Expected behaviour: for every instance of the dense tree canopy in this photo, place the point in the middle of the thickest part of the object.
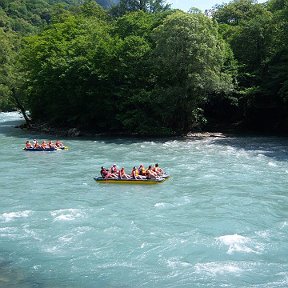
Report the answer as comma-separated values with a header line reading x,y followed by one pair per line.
x,y
151,6
256,33
140,67
189,58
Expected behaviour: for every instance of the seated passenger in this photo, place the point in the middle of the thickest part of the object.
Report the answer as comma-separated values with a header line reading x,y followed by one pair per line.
x,y
44,145
59,144
142,170
36,144
150,173
158,170
51,145
28,145
106,174
135,174
123,175
114,169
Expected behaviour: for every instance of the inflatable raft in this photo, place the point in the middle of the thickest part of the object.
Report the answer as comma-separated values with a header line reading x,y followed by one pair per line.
x,y
129,181
46,149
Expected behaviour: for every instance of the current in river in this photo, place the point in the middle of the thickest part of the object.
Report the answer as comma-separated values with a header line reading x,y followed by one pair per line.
x,y
220,220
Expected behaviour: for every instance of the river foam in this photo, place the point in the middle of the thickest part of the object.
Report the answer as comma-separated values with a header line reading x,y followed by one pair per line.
x,y
67,214
11,216
239,244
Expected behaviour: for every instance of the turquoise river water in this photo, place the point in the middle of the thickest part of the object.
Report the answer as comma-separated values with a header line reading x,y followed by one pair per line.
x,y
221,220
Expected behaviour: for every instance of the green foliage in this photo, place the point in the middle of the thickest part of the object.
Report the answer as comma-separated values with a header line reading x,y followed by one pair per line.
x,y
150,70
150,6
189,58
135,23
238,11
7,56
256,35
276,78
144,73
67,68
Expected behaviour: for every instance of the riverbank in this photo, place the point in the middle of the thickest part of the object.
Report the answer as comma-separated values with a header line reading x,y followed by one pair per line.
x,y
219,131
75,132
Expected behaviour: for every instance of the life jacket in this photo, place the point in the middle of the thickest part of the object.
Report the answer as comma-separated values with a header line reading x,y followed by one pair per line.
x,y
113,169
28,145
142,171
134,173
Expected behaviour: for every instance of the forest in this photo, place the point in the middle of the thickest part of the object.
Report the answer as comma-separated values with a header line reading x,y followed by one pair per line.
x,y
138,67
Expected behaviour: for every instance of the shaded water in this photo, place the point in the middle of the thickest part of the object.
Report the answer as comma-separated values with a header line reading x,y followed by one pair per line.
x,y
221,220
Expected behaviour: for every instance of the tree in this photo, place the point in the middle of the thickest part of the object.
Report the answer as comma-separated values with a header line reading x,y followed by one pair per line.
x,y
135,23
6,56
248,27
189,58
237,11
151,6
10,76
67,68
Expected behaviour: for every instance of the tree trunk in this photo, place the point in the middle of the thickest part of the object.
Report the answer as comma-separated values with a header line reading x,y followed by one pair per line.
x,y
21,107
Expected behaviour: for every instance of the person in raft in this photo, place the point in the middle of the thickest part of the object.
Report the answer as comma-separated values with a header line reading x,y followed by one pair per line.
x,y
158,170
51,145
142,170
150,173
59,144
123,175
36,144
114,170
28,145
43,145
135,174
106,174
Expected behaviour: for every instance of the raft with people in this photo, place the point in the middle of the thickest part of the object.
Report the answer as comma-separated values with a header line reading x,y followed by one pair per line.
x,y
129,181
151,175
44,146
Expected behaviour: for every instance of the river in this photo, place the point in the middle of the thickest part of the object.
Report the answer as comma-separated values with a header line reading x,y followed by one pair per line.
x,y
221,220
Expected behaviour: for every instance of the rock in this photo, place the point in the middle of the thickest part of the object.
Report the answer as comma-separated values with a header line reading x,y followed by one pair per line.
x,y
206,134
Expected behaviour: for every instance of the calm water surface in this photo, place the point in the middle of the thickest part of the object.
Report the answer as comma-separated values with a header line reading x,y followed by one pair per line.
x,y
221,220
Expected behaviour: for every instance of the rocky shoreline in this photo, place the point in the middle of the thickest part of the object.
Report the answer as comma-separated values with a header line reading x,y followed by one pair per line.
x,y
206,134
75,132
